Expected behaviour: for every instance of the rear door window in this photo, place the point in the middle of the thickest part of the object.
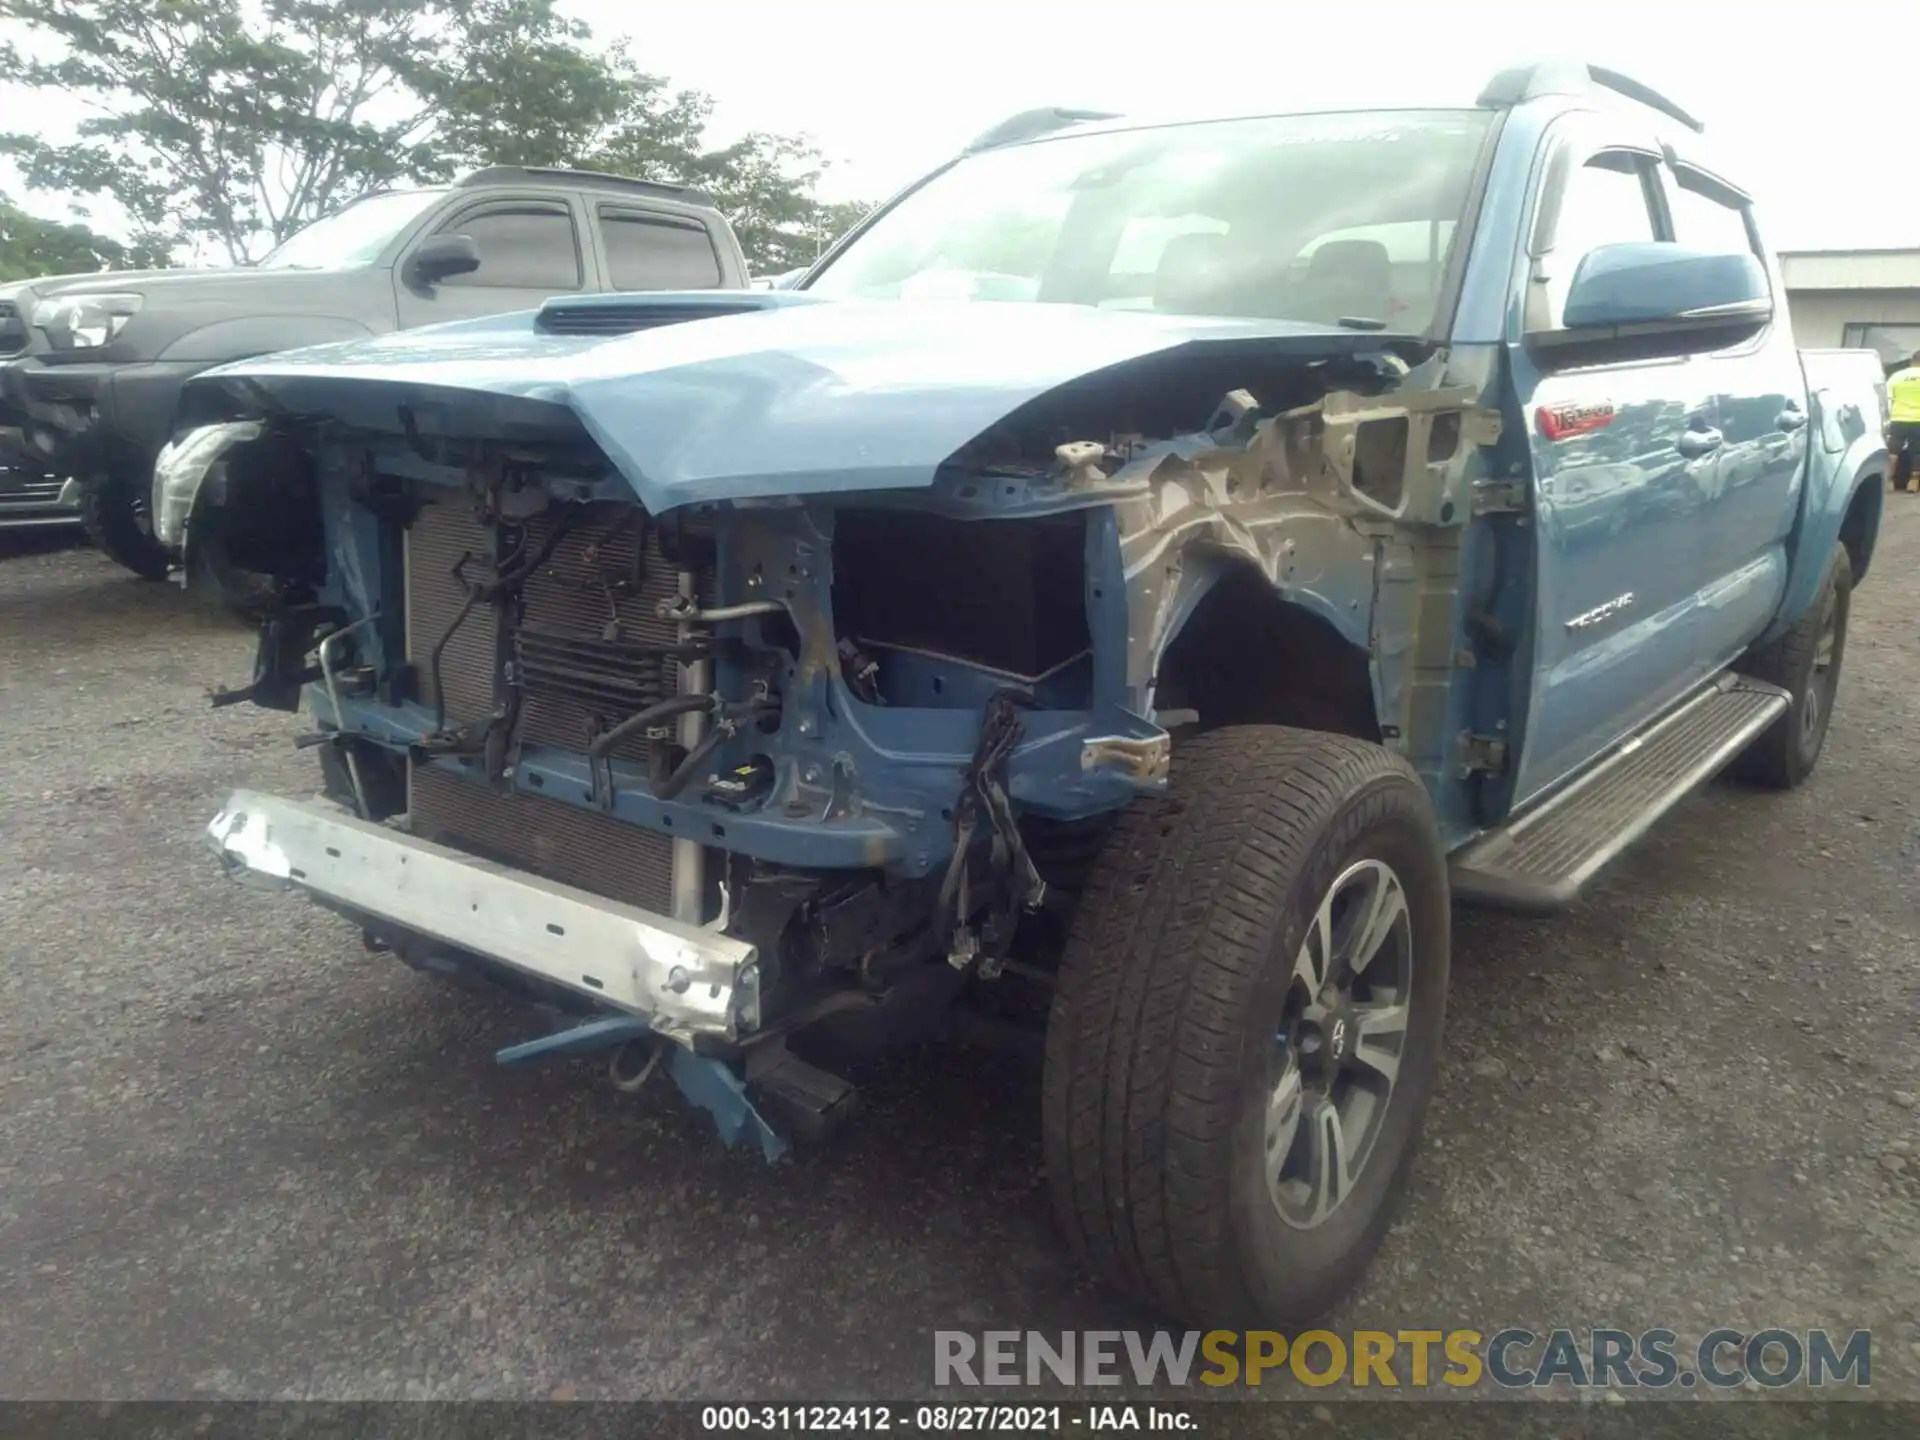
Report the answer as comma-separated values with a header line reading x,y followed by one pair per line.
x,y
523,245
657,252
1706,215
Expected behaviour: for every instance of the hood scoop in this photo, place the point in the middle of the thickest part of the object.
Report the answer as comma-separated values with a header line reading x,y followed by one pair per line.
x,y
629,314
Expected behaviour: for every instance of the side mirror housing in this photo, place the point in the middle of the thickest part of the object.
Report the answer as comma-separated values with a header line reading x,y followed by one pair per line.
x,y
439,256
1655,299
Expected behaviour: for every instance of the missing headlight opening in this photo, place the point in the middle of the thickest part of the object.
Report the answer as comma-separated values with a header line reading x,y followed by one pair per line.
x,y
1002,596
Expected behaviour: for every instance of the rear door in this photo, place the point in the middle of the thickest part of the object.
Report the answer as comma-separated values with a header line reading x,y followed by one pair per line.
x,y
645,249
1624,455
530,250
1760,396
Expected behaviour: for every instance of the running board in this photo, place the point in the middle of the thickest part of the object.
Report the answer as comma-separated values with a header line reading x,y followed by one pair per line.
x,y
1541,860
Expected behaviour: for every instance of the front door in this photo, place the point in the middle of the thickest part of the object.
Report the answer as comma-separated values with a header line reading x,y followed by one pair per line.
x,y
530,251
1624,460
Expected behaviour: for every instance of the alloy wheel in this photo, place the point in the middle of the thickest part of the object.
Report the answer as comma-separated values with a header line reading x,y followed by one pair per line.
x,y
1338,1047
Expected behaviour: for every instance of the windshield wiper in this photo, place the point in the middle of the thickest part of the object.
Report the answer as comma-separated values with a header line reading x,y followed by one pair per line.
x,y
1360,322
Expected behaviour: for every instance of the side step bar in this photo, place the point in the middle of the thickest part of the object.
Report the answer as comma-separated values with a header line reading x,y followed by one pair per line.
x,y
1541,860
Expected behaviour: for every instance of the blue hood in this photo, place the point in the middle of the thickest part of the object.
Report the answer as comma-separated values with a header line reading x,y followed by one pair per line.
x,y
789,396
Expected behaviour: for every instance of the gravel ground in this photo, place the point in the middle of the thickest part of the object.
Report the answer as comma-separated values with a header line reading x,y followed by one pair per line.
x,y
240,1157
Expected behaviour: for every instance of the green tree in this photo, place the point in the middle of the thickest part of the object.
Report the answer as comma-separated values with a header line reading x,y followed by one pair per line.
x,y
835,219
238,122
763,182
30,246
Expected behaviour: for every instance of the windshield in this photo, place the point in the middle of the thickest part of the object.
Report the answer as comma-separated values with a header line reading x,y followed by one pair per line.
x,y
353,236
1320,218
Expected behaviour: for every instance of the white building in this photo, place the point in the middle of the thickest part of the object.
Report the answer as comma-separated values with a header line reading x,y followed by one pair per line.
x,y
1864,298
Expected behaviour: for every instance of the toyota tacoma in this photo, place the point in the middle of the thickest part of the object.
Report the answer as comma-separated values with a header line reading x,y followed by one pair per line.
x,y
1130,587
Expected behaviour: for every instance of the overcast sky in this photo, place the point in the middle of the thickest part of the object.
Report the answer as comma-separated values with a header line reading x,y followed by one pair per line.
x,y
1806,104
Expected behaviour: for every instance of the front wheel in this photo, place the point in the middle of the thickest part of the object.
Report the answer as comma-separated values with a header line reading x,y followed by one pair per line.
x,y
116,509
1246,1027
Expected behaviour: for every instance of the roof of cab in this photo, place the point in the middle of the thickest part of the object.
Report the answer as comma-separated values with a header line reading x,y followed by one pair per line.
x,y
1506,89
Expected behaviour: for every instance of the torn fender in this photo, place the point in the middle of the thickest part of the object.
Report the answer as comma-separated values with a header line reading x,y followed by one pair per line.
x,y
797,397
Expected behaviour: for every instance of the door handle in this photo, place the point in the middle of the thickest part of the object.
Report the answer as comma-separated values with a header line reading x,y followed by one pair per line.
x,y
1694,443
1791,418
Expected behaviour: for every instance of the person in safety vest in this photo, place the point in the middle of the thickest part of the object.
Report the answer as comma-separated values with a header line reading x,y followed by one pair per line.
x,y
1903,420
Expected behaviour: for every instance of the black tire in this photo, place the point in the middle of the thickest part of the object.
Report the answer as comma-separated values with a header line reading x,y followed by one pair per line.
x,y
115,509
1178,976
1808,669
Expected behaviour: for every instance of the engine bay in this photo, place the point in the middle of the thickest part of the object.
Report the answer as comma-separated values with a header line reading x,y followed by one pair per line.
x,y
876,734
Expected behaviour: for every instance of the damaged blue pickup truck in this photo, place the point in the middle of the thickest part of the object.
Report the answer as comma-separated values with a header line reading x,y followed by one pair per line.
x,y
1331,516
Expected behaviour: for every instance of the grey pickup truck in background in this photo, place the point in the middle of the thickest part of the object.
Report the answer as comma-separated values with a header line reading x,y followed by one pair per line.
x,y
91,365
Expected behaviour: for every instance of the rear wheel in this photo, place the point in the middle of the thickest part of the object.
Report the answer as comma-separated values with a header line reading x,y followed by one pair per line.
x,y
117,511
1247,1025
1805,662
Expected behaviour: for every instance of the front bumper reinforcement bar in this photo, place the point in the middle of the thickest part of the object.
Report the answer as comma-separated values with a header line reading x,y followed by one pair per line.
x,y
684,980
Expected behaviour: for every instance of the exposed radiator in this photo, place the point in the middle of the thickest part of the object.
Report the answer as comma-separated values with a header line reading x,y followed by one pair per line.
x,y
436,541
584,611
575,847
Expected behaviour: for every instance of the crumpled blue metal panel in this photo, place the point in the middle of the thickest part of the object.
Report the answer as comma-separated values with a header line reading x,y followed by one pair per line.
x,y
712,1085
704,1080
794,397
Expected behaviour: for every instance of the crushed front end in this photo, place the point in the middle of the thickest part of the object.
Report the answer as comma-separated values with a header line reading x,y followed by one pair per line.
x,y
749,779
